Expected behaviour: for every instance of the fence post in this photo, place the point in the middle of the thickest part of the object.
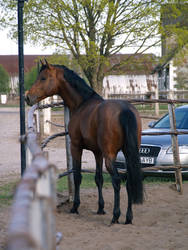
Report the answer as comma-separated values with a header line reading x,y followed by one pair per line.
x,y
68,153
47,117
171,94
175,149
157,97
36,121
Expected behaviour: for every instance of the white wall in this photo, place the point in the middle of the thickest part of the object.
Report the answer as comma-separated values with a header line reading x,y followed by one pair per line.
x,y
172,75
14,81
129,84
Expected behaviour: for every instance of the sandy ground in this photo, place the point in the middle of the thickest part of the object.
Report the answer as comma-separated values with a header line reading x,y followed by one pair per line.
x,y
160,223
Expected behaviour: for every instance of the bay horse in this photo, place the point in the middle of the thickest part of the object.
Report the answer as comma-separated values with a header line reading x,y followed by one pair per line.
x,y
101,126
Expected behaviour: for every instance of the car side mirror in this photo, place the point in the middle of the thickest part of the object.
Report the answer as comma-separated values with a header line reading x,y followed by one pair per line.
x,y
151,124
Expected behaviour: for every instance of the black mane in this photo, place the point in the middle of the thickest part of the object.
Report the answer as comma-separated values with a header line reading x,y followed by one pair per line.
x,y
76,82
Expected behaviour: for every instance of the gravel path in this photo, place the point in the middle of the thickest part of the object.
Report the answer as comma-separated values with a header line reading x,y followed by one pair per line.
x,y
10,147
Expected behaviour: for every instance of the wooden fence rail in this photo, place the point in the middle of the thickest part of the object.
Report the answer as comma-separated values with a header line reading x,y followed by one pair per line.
x,y
32,226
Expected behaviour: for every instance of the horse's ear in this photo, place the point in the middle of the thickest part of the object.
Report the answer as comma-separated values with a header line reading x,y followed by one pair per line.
x,y
42,62
47,64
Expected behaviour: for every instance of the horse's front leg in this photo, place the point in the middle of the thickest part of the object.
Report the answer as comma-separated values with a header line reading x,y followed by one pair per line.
x,y
116,182
76,155
99,182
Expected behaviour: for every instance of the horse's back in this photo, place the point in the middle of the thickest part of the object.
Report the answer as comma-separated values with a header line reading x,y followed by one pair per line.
x,y
111,115
111,110
97,125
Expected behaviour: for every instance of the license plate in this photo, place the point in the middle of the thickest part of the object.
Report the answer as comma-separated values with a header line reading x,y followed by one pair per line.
x,y
147,160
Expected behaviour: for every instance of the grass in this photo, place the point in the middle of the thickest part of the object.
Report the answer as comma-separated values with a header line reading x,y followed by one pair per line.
x,y
7,193
88,181
151,106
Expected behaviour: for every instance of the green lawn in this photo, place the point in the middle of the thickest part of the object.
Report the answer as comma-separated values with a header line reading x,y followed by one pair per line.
x,y
88,181
7,193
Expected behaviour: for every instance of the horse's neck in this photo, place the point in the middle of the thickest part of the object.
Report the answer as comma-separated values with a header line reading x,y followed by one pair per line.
x,y
70,96
73,98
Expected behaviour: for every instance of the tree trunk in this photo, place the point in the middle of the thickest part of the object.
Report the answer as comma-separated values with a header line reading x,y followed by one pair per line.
x,y
96,81
98,87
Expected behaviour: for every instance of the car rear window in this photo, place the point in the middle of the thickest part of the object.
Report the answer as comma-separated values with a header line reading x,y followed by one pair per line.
x,y
181,120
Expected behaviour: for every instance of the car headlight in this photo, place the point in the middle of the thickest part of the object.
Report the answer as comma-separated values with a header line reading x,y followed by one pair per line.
x,y
182,149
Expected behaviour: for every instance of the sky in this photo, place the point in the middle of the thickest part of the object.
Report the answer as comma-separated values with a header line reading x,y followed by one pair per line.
x,y
9,47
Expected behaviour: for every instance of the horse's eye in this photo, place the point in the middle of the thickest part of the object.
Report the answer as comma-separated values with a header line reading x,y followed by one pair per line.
x,y
43,78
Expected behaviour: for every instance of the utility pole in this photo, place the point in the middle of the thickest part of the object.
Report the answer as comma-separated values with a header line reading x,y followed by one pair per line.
x,y
21,83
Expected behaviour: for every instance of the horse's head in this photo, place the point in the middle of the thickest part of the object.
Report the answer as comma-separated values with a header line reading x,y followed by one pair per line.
x,y
44,86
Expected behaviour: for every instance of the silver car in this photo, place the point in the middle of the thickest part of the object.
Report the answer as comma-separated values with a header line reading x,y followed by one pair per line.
x,y
156,150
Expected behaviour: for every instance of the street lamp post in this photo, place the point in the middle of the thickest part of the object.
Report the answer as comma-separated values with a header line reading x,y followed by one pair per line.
x,y
21,83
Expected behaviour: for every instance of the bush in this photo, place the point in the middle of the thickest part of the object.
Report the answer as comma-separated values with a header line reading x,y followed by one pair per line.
x,y
30,78
4,81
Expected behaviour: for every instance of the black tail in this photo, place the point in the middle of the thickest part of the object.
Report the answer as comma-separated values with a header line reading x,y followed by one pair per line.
x,y
131,152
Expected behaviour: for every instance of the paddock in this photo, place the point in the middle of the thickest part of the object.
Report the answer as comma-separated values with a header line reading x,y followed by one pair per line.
x,y
160,223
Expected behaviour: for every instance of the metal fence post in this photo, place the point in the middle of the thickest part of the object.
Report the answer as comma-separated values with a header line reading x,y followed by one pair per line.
x,y
21,83
68,153
175,149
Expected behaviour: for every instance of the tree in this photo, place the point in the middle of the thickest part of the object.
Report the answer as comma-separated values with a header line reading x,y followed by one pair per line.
x,y
92,30
174,28
30,77
181,62
4,80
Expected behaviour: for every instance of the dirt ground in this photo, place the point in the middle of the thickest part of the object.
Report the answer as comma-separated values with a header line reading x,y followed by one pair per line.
x,y
160,223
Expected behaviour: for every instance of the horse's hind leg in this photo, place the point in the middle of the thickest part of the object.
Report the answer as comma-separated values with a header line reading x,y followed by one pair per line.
x,y
77,177
129,214
99,182
116,182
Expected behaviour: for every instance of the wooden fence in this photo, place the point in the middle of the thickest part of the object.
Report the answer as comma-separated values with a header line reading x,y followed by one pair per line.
x,y
32,226
174,133
150,96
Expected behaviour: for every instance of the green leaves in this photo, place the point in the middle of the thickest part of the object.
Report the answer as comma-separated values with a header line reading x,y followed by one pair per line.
x,y
30,78
174,25
4,81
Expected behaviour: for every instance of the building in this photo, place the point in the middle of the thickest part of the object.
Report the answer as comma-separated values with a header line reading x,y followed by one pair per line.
x,y
134,75
127,73
10,64
168,71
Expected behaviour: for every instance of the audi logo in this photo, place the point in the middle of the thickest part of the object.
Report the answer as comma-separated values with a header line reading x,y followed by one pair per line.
x,y
144,150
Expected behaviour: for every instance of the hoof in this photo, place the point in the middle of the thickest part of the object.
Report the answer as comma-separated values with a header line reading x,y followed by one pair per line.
x,y
74,211
128,222
101,211
114,221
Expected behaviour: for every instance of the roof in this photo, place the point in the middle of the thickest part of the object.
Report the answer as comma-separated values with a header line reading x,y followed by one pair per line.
x,y
10,62
132,64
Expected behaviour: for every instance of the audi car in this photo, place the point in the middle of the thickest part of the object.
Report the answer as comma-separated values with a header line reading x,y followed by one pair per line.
x,y
156,150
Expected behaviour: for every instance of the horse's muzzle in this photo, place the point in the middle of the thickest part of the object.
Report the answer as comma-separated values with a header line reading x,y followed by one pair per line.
x,y
29,100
